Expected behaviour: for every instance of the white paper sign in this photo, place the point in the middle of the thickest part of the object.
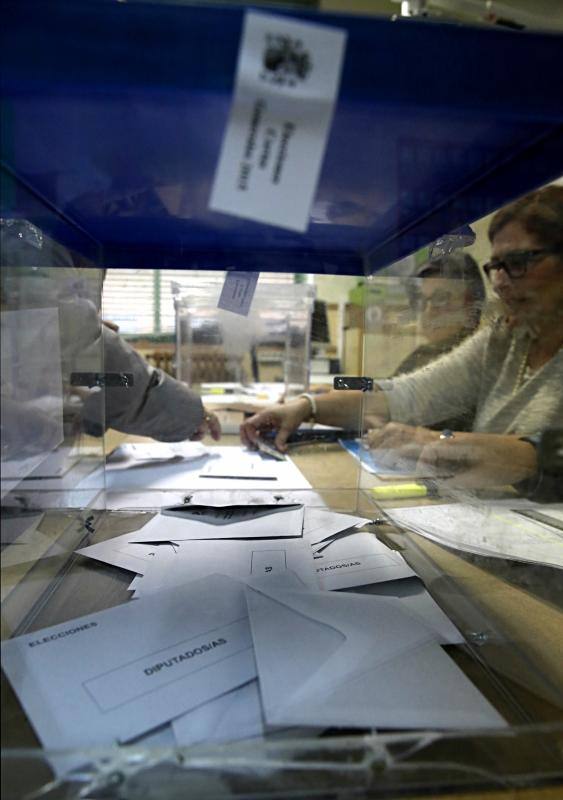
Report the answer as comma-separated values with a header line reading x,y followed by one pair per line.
x,y
287,80
238,291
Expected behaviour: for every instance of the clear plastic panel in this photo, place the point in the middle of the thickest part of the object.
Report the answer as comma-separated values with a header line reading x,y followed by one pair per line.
x,y
457,441
271,345
494,602
52,367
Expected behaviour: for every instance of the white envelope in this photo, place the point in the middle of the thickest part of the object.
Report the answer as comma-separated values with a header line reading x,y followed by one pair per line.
x,y
123,552
415,598
357,560
321,522
287,522
346,660
245,561
121,672
233,716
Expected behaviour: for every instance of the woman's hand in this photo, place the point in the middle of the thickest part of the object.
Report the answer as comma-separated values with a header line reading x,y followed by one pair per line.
x,y
209,425
399,446
284,419
479,460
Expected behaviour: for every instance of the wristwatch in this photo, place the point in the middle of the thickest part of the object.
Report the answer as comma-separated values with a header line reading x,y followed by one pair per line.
x,y
447,434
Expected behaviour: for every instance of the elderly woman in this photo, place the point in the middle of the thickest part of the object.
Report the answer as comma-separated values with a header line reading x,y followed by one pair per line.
x,y
508,375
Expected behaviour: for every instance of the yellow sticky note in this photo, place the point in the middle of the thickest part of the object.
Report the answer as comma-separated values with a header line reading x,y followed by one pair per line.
x,y
399,490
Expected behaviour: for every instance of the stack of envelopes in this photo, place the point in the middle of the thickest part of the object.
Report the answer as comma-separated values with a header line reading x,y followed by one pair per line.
x,y
234,635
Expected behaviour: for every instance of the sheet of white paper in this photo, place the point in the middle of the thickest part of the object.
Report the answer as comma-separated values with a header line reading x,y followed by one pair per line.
x,y
356,661
122,672
163,528
124,552
357,560
287,80
238,291
485,530
248,470
144,454
239,559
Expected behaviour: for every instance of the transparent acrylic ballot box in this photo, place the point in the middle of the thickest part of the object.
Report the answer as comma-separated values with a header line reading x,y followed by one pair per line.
x,y
272,344
504,608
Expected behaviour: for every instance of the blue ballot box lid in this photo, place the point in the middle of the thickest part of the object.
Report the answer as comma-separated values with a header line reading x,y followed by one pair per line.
x,y
114,114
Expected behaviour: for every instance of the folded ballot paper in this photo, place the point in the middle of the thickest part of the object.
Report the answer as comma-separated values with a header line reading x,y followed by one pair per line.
x,y
244,560
345,556
181,665
330,554
189,522
354,661
115,674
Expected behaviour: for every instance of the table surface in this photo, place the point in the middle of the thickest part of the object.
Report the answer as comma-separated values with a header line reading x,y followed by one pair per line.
x,y
525,643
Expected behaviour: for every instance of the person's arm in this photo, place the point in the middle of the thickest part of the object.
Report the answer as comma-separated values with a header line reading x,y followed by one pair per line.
x,y
154,405
480,460
443,389
343,409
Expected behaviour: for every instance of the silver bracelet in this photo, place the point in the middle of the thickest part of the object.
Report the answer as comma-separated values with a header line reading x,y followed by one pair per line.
x,y
313,403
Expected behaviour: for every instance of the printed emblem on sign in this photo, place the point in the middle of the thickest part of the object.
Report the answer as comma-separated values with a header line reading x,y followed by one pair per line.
x,y
285,61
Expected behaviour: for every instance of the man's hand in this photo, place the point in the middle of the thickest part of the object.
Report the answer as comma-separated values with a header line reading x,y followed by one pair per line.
x,y
209,425
283,419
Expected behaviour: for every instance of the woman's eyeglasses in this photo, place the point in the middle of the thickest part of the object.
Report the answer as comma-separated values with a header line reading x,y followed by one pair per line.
x,y
515,264
441,298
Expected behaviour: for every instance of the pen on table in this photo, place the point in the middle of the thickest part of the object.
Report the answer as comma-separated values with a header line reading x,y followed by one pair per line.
x,y
241,477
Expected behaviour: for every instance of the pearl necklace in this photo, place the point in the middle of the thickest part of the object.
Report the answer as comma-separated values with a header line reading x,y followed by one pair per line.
x,y
524,374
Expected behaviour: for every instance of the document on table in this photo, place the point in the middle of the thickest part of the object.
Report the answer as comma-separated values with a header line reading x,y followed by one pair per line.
x,y
118,673
487,530
191,522
356,661
224,468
